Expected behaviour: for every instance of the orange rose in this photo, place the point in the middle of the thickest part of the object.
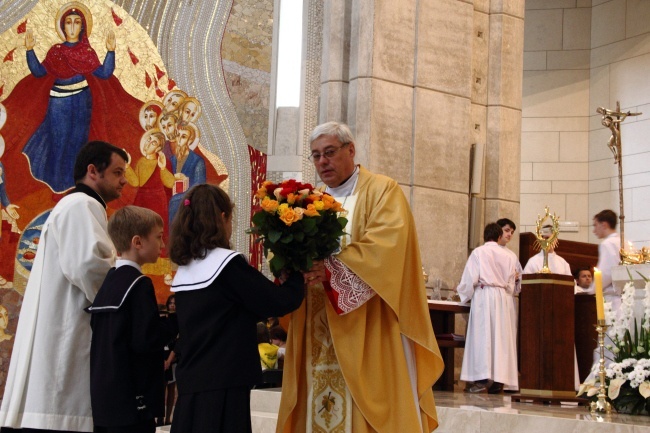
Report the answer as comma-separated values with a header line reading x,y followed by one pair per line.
x,y
311,211
319,205
261,193
336,207
269,205
328,201
289,216
291,198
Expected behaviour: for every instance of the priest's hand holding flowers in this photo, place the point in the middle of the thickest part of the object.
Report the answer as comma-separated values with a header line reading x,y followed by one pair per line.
x,y
297,225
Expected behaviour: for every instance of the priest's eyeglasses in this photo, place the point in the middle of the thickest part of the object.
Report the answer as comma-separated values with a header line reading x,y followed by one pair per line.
x,y
329,153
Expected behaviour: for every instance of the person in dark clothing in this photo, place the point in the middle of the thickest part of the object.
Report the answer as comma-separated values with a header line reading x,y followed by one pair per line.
x,y
170,360
126,352
219,300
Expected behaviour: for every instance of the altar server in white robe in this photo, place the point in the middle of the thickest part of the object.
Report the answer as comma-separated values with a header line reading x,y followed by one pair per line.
x,y
490,281
48,383
608,254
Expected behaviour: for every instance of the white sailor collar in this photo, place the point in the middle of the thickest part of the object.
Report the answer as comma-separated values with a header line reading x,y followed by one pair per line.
x,y
200,273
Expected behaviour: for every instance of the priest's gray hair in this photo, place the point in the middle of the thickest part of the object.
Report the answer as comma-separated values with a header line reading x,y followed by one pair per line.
x,y
339,130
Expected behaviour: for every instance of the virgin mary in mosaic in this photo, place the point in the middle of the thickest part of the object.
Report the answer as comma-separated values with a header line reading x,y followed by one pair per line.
x,y
80,71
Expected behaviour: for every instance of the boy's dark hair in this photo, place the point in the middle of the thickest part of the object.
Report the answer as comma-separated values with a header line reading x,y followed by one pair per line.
x,y
262,333
505,221
278,333
200,224
131,221
492,232
608,216
97,153
576,273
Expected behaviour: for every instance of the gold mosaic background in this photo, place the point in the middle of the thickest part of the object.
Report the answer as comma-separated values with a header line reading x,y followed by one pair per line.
x,y
246,55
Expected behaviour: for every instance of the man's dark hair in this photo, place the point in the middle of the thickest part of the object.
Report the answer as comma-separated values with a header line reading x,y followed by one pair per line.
x,y
492,232
506,222
278,333
97,153
576,273
608,216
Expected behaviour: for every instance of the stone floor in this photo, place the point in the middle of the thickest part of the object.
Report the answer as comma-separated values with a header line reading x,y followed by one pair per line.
x,y
468,413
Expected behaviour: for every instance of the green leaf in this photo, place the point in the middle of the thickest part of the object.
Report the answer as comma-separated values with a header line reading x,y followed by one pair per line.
x,y
274,236
640,274
286,239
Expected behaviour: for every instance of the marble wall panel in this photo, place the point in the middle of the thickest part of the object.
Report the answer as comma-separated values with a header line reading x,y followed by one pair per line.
x,y
570,186
362,38
336,41
637,16
550,4
635,140
556,93
617,51
533,205
603,168
574,146
480,52
577,209
526,171
506,61
560,170
359,116
287,125
534,60
334,100
628,81
598,139
503,152
391,130
513,8
569,123
640,204
640,232
442,144
394,44
438,214
536,187
607,23
444,47
599,185
573,59
540,146
636,180
576,29
543,30
482,5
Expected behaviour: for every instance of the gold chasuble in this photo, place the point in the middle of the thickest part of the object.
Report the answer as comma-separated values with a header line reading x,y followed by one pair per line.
x,y
349,372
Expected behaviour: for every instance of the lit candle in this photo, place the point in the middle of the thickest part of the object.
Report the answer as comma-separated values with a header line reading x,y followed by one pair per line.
x,y
600,301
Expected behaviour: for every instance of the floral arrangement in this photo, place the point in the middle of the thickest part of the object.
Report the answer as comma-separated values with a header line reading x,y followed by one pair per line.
x,y
628,376
297,224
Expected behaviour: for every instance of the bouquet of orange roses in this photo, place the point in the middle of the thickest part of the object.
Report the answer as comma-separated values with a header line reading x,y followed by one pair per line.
x,y
297,224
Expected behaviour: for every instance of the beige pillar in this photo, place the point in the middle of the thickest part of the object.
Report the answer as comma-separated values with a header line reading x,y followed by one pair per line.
x,y
419,82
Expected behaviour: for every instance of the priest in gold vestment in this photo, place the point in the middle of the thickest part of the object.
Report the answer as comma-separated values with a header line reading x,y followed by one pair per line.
x,y
361,354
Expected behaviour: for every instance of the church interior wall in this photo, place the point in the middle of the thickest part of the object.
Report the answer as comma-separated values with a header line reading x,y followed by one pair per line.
x,y
580,55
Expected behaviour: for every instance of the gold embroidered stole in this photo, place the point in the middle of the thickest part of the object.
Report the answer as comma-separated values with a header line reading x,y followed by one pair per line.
x,y
329,400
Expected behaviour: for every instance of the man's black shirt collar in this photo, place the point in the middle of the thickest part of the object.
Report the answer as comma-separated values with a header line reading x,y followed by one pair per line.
x,y
82,187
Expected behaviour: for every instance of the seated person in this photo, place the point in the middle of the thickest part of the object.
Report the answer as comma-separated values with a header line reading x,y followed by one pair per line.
x,y
268,351
583,280
556,264
279,338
